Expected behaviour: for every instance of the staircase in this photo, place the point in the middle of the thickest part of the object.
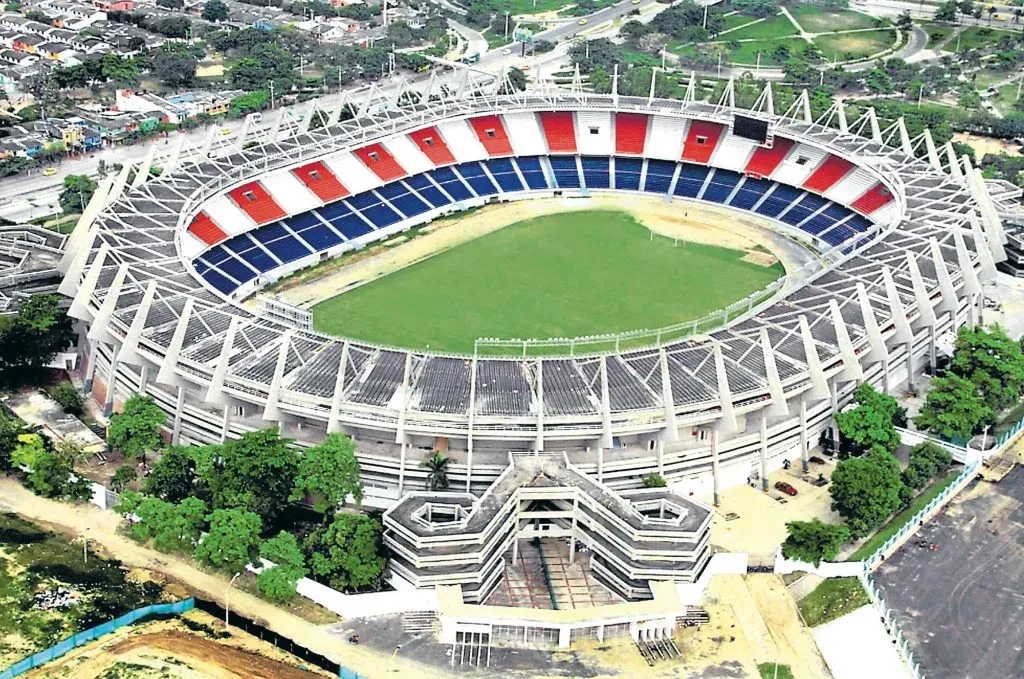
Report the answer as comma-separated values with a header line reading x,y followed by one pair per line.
x,y
420,622
658,650
693,616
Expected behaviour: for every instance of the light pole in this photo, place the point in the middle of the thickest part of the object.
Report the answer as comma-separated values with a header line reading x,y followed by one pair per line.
x,y
506,25
227,592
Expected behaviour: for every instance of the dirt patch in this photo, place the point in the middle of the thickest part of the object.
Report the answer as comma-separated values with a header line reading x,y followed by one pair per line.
x,y
765,259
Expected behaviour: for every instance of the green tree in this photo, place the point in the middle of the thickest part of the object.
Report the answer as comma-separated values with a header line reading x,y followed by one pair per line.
x,y
993,362
255,473
329,472
348,551
174,65
814,541
28,450
927,459
872,422
655,481
215,10
953,409
10,429
232,541
123,478
278,582
866,490
759,9
69,397
171,526
173,476
33,337
437,471
946,12
905,22
878,81
52,476
516,81
136,429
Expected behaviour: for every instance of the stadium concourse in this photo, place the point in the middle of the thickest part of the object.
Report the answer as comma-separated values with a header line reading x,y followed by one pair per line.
x,y
905,234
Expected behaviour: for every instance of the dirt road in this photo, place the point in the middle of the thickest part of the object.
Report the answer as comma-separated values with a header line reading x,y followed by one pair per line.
x,y
100,527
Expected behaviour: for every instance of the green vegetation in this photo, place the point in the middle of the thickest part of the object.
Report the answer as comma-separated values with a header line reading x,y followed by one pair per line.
x,y
832,599
770,670
866,490
936,32
69,397
953,409
816,19
329,472
437,471
853,46
814,541
871,423
347,552
978,37
778,26
136,429
77,192
33,337
567,275
33,561
897,522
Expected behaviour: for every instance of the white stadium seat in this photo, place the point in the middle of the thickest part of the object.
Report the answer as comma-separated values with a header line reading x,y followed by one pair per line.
x,y
665,140
408,155
228,216
798,165
525,134
732,153
594,133
352,173
462,141
290,193
191,247
852,186
884,214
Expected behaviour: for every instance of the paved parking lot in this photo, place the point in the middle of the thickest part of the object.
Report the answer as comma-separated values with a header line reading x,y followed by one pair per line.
x,y
962,605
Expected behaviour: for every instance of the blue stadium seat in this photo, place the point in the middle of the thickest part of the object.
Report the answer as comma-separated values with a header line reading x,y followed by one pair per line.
x,y
351,226
691,179
255,256
749,193
474,175
532,172
721,185
859,223
779,199
287,248
219,281
659,176
447,180
595,172
627,173
333,210
423,186
504,173
838,235
807,206
407,203
566,172
369,204
319,237
237,269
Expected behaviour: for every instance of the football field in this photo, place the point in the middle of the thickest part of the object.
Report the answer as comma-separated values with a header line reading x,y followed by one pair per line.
x,y
564,275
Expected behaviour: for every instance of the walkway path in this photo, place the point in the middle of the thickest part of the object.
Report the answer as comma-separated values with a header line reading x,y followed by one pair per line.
x,y
100,527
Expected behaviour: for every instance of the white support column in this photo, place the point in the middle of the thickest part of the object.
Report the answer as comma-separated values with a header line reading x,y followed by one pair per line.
x,y
905,145
844,126
661,459
983,249
472,411
539,443
953,164
600,464
81,235
763,449
166,374
931,150
727,421
271,412
819,387
834,410
142,173
876,131
77,260
778,407
713,438
851,366
400,436
90,369
215,392
902,324
171,163
108,402
875,339
179,408
606,407
129,350
225,425
98,331
926,314
949,302
401,469
83,293
333,423
972,286
207,147
804,442
671,432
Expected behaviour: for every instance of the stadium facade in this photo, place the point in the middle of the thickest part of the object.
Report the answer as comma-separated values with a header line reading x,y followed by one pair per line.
x,y
906,232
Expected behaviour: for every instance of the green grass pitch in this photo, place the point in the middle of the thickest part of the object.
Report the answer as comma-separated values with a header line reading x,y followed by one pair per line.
x,y
566,275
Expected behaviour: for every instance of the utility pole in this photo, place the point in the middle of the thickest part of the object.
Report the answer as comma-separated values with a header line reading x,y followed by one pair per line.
x,y
271,95
506,24
704,24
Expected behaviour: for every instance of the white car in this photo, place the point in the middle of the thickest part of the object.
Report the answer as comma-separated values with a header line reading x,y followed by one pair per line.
x,y
507,51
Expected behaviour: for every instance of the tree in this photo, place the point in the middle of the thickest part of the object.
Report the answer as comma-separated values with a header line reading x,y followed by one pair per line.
x,y
347,552
866,490
655,481
69,398
232,541
255,473
946,12
814,541
52,475
904,22
278,582
174,65
872,422
173,476
10,429
171,526
31,339
28,450
993,362
215,10
123,478
878,81
330,473
516,81
926,460
136,429
437,471
759,9
953,409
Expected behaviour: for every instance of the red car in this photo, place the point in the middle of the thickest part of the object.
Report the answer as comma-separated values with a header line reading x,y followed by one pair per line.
x,y
784,487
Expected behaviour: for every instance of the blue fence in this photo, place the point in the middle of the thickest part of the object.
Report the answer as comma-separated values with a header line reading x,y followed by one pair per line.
x,y
73,642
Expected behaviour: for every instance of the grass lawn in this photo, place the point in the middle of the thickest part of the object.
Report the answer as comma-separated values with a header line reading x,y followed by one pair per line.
x,y
747,52
736,19
778,26
814,19
832,599
976,37
987,77
578,273
770,670
897,522
850,46
937,32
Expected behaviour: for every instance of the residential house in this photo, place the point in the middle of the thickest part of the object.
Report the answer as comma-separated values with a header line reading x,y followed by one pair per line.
x,y
59,51
28,43
16,58
115,5
13,21
36,28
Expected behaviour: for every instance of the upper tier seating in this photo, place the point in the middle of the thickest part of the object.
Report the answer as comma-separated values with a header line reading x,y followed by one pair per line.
x,y
764,160
831,170
491,133
780,198
559,130
255,256
256,202
203,228
701,139
595,172
344,220
432,145
282,244
874,198
630,133
380,161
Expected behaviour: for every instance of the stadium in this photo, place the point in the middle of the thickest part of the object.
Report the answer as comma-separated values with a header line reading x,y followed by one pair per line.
x,y
899,237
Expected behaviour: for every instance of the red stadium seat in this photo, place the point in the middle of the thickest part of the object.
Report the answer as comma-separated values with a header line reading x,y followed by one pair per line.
x,y
203,228
380,160
874,198
701,139
630,133
432,144
257,203
319,179
831,170
560,130
492,134
764,160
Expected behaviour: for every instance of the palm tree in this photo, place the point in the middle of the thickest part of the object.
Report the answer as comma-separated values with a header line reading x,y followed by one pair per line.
x,y
437,474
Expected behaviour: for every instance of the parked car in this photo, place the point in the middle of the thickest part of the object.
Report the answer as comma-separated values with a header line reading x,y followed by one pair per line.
x,y
817,460
49,172
784,487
